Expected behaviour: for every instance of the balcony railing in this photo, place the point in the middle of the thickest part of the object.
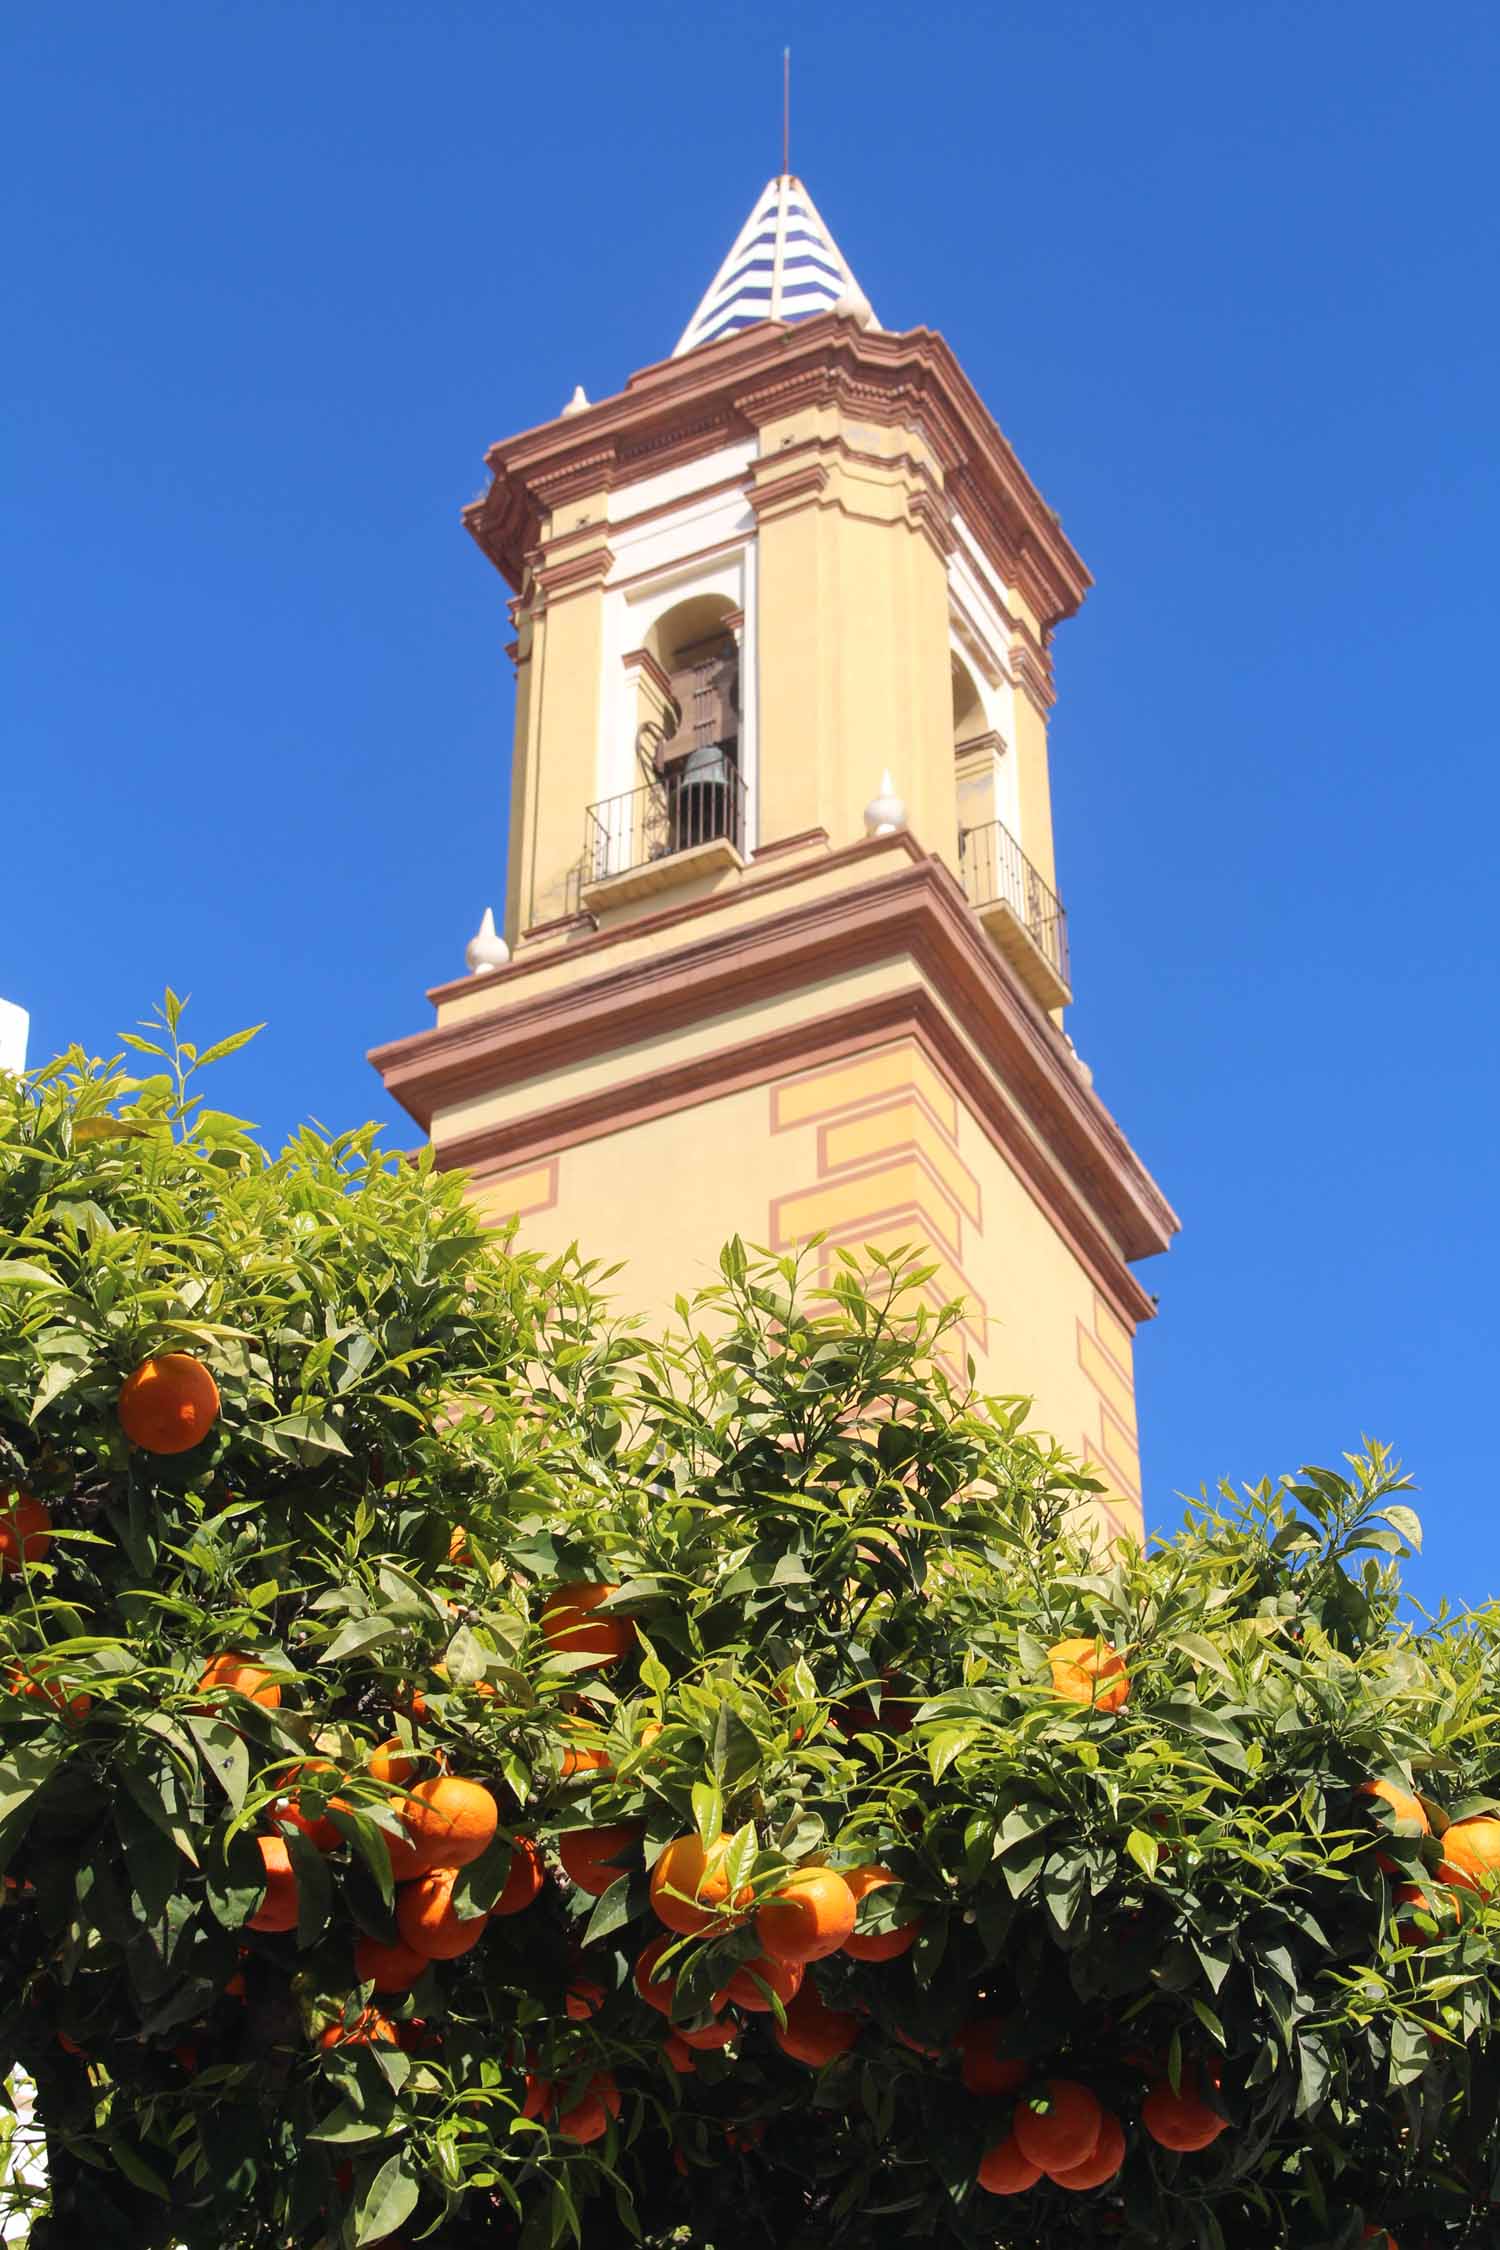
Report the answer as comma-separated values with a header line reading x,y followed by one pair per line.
x,y
699,802
1021,912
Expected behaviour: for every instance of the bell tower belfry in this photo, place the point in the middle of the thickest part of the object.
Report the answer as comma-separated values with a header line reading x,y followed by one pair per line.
x,y
783,950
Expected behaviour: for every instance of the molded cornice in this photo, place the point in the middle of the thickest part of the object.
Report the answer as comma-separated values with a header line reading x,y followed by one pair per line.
x,y
683,408
1011,1064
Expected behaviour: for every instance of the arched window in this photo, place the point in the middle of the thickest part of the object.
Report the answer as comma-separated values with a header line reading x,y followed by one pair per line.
x,y
695,756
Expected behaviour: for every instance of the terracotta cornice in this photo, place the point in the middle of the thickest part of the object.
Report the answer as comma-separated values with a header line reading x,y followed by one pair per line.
x,y
678,917
816,1041
806,840
641,660
773,494
684,407
917,911
1033,671
575,574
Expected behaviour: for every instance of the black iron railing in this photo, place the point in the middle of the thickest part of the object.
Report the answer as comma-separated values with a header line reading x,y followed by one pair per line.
x,y
698,801
997,872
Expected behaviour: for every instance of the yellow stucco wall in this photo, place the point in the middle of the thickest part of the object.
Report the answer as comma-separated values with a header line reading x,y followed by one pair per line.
x,y
853,675
876,1149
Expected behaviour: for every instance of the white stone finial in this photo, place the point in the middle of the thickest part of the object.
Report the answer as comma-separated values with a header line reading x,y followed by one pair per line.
x,y
886,813
578,403
855,305
1079,1064
486,949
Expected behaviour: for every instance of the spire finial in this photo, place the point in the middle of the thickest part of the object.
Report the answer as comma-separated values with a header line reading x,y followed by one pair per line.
x,y
786,112
486,949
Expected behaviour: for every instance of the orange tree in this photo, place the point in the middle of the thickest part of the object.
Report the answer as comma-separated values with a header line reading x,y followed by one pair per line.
x,y
470,1775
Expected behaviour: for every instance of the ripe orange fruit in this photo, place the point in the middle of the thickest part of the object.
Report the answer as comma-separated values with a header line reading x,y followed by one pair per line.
x,y
1101,2167
809,1915
1407,1811
448,1822
24,1683
1402,1803
685,1873
523,1878
588,2119
25,1531
369,2029
568,1627
813,2032
583,1999
655,1990
985,2069
458,1545
591,1856
393,1762
877,1945
1003,2170
679,2054
1471,1852
236,1673
1058,2126
288,1812
708,2036
278,1909
169,1404
783,1977
428,1921
390,1968
1089,1672
1182,2121
584,1762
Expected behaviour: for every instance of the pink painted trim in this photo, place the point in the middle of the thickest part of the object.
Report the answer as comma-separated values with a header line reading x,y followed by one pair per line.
x,y
876,1217
829,1170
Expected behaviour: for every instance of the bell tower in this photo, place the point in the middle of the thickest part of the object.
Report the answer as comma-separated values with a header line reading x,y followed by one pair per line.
x,y
783,950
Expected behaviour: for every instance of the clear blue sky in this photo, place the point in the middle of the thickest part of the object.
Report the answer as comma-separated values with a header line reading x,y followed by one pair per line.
x,y
1226,274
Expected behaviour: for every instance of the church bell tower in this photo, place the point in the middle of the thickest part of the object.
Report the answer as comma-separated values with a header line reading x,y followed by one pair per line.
x,y
784,953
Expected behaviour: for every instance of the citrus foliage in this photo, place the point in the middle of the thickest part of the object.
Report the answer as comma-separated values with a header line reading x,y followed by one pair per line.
x,y
702,1621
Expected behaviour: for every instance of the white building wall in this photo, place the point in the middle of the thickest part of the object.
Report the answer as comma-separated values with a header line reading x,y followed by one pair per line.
x,y
15,1024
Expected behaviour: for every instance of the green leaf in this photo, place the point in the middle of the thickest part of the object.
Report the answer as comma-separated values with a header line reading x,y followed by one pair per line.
x,y
137,2170
465,1658
15,1273
234,1876
154,1790
314,1887
230,1046
224,1755
481,1882
358,1637
345,2124
1210,2021
1144,1850
1201,1649
736,1753
708,1812
385,2201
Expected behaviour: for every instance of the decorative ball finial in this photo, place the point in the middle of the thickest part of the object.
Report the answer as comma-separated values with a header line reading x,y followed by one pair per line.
x,y
855,305
886,813
578,403
486,949
1078,1063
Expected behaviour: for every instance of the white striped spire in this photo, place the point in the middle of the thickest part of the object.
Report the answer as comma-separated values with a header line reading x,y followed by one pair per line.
x,y
785,265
